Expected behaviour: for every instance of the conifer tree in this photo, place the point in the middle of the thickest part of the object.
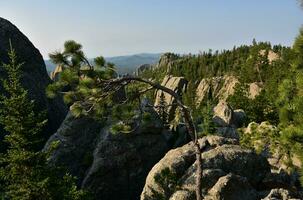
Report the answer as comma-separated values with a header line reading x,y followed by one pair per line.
x,y
290,102
24,173
162,110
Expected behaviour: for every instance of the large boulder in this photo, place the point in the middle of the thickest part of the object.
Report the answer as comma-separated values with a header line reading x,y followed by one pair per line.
x,y
111,166
232,187
34,77
75,142
178,85
229,172
227,120
223,114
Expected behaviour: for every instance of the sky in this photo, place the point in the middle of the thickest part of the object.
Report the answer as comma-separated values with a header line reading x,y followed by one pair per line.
x,y
124,27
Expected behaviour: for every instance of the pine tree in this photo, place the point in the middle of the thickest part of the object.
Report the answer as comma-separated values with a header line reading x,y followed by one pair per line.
x,y
290,102
162,110
24,173
92,96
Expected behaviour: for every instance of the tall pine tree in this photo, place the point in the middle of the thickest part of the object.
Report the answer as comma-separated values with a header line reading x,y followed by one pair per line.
x,y
24,173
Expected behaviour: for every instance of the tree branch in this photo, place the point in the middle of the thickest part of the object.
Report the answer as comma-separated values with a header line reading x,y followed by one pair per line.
x,y
186,115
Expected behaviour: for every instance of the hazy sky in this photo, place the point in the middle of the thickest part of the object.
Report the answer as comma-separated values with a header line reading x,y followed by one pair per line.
x,y
121,27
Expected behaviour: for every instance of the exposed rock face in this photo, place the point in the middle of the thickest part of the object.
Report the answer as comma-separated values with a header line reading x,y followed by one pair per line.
x,y
272,56
111,166
166,61
228,120
76,139
178,85
218,87
35,77
143,68
254,89
281,194
232,187
229,171
55,74
223,114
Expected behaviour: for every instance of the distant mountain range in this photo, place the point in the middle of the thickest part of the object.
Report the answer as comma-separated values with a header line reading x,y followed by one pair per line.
x,y
125,64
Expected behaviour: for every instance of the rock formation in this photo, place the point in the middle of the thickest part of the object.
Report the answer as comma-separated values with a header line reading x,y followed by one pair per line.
x,y
229,172
254,89
143,68
54,75
111,166
34,78
167,61
228,120
220,88
178,85
272,56
217,87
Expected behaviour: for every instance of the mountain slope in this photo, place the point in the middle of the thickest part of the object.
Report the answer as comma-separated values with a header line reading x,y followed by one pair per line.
x,y
125,64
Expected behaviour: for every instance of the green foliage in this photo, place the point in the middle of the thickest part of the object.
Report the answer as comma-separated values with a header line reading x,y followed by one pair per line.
x,y
290,102
261,139
24,173
205,122
248,64
79,80
162,109
120,128
124,113
258,109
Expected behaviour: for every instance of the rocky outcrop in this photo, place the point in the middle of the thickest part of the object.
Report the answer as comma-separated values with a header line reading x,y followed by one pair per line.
x,y
228,120
219,88
54,75
271,56
282,194
111,166
232,187
223,114
178,85
229,172
34,77
167,61
254,89
143,68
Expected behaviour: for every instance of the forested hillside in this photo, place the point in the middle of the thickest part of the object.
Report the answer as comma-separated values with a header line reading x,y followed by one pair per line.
x,y
218,125
274,70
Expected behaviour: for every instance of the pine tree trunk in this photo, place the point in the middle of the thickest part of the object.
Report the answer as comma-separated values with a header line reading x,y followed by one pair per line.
x,y
198,172
192,132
